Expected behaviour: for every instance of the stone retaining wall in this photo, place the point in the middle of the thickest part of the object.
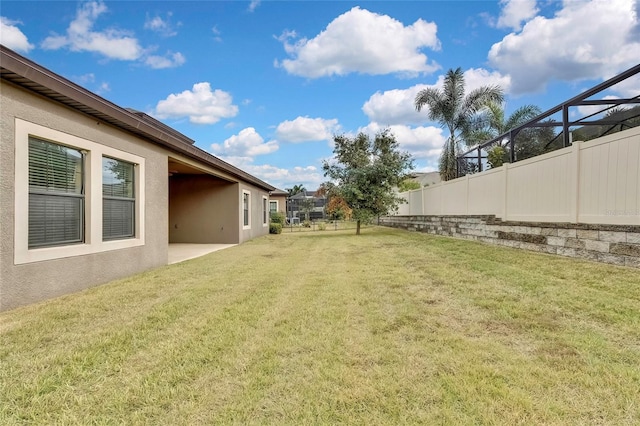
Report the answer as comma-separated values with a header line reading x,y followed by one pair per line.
x,y
615,244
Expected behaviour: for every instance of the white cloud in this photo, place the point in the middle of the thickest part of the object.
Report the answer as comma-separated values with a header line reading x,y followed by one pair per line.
x,y
104,88
394,106
89,79
397,106
628,88
477,77
309,176
200,104
161,26
216,32
171,60
12,37
585,110
423,143
514,12
112,43
246,144
86,78
253,5
584,40
304,129
363,42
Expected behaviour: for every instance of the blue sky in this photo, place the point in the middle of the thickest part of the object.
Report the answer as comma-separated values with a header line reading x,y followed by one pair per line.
x,y
265,85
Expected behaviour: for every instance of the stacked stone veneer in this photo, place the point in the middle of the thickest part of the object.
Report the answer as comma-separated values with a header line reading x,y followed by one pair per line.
x,y
616,244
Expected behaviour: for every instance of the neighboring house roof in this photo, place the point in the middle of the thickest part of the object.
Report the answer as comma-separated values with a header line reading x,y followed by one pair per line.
x,y
279,192
31,76
305,194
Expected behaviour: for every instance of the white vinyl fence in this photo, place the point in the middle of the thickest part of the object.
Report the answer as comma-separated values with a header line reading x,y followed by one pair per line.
x,y
597,181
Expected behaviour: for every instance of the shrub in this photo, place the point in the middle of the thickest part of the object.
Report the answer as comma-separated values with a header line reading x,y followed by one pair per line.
x,y
408,185
306,224
496,156
277,217
322,226
275,228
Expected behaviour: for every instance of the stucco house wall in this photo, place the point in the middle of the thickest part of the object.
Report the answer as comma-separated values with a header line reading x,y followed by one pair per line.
x,y
279,197
182,193
203,210
259,212
26,282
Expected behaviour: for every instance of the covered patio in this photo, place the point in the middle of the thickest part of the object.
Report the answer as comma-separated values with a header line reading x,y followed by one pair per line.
x,y
179,252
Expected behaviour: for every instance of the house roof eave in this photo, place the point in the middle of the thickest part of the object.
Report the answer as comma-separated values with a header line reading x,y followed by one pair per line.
x,y
31,76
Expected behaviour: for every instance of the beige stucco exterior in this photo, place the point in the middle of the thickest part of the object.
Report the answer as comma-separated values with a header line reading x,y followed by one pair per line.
x,y
25,283
201,204
280,197
205,209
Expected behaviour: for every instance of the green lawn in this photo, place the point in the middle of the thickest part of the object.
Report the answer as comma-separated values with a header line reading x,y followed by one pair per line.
x,y
387,328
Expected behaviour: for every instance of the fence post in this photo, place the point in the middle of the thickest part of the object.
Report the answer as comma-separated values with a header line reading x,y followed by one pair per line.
x,y
575,182
505,190
466,207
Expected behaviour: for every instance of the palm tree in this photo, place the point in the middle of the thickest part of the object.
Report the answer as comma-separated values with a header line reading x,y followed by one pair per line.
x,y
492,123
452,109
296,190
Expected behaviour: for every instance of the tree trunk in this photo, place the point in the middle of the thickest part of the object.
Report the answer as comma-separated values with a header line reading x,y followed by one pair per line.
x,y
358,227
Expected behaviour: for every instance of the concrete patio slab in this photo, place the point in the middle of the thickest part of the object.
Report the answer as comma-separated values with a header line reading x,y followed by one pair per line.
x,y
179,252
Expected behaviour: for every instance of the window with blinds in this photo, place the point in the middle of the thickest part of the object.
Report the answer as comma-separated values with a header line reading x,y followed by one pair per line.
x,y
264,211
56,194
118,199
245,208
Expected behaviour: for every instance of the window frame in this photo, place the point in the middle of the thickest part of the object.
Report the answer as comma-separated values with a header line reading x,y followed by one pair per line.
x,y
265,211
36,191
93,151
246,213
277,206
112,197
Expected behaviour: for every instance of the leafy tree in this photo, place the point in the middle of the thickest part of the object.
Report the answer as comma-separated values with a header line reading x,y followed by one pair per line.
x,y
336,207
366,172
408,185
454,110
534,141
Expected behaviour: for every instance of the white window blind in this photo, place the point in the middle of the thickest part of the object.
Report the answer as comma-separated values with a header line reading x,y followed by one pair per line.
x,y
56,194
245,208
264,211
118,199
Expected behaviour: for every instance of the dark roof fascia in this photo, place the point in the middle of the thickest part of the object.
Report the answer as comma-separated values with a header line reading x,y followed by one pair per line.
x,y
156,123
278,191
31,76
